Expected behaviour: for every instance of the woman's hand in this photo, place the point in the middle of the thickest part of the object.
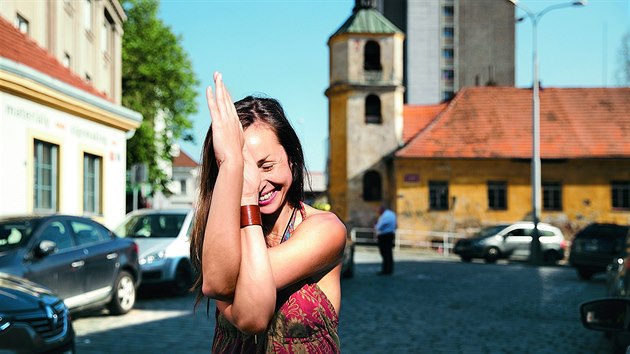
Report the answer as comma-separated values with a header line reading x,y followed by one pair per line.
x,y
251,179
227,132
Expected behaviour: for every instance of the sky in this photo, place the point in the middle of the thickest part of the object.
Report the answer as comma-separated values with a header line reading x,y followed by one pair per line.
x,y
279,49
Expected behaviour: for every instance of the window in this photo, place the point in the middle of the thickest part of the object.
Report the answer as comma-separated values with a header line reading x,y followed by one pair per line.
x,y
66,60
106,34
621,194
448,32
87,14
87,233
448,53
497,195
22,24
438,195
57,233
552,196
373,110
449,11
45,163
182,186
447,95
372,186
448,74
372,56
92,184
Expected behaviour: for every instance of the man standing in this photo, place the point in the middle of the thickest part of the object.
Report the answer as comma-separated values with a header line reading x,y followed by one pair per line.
x,y
385,228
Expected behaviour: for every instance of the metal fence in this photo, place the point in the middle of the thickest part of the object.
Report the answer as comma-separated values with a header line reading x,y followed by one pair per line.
x,y
440,241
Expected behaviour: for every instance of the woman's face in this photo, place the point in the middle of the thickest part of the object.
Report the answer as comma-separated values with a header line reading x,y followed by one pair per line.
x,y
273,163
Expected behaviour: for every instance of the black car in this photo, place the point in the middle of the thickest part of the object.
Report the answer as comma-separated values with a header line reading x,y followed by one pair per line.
x,y
596,246
79,259
609,315
32,318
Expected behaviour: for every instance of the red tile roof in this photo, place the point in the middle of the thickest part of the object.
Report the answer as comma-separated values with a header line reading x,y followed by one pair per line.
x,y
16,46
183,160
417,118
496,122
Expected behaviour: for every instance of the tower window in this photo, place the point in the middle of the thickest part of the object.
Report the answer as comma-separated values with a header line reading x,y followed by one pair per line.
x,y
372,56
449,11
372,190
373,110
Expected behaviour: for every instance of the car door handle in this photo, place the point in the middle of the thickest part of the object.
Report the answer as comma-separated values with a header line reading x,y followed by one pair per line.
x,y
78,264
112,256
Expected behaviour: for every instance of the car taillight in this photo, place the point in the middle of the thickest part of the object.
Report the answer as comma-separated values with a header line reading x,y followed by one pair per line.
x,y
135,248
564,244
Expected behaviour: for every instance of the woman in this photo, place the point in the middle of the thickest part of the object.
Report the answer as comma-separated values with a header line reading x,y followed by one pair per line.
x,y
271,262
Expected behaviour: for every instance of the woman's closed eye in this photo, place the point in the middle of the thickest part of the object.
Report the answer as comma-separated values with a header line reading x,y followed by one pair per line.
x,y
266,167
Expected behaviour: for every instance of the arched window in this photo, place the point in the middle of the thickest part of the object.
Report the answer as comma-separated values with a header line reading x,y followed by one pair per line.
x,y
373,110
372,189
372,56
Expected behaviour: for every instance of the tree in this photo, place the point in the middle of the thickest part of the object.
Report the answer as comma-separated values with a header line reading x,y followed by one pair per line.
x,y
157,81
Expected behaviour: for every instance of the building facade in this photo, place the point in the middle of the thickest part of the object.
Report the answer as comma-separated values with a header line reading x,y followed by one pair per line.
x,y
465,163
63,132
452,44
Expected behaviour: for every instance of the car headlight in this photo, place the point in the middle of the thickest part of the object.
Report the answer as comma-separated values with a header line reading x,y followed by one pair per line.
x,y
153,257
5,322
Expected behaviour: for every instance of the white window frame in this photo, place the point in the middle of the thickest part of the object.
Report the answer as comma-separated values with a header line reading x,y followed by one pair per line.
x,y
39,169
92,167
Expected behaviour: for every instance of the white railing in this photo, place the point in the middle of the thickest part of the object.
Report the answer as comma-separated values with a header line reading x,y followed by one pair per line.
x,y
412,238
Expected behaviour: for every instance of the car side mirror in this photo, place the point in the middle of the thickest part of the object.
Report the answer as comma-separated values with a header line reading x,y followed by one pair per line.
x,y
45,248
606,314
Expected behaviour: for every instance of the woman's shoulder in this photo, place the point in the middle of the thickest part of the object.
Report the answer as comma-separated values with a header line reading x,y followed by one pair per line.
x,y
323,218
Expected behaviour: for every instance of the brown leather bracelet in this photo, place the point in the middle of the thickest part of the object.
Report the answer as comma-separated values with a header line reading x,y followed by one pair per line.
x,y
250,215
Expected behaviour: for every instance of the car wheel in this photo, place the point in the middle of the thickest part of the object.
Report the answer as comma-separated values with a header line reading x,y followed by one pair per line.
x,y
466,259
124,296
492,254
551,257
183,279
585,274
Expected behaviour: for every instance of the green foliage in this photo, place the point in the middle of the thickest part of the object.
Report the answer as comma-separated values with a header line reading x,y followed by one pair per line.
x,y
157,81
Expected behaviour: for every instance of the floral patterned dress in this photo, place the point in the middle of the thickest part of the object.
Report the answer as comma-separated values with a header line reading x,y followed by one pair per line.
x,y
305,321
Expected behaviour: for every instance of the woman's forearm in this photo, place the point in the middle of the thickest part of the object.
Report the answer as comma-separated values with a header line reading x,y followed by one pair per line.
x,y
222,241
255,295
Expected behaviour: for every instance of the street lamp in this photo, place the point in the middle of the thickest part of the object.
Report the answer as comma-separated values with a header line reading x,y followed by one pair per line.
x,y
535,252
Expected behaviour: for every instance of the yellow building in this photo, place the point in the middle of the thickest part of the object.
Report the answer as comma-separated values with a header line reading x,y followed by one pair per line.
x,y
466,163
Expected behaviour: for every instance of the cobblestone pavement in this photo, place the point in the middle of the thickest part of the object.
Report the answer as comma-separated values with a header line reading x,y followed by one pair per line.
x,y
432,304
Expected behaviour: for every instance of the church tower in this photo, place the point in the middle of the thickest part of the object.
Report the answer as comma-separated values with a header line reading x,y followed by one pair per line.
x,y
365,113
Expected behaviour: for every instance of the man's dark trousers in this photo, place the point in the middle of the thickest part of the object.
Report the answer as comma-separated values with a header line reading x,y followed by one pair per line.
x,y
385,245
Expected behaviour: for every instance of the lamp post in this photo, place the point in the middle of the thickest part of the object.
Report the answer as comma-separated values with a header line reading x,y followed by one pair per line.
x,y
534,17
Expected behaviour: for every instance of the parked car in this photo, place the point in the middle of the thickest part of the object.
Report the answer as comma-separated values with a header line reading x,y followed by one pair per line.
x,y
163,236
511,240
609,315
596,246
79,259
32,318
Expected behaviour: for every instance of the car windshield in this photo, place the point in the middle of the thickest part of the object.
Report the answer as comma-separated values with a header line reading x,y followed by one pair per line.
x,y
490,230
151,225
14,233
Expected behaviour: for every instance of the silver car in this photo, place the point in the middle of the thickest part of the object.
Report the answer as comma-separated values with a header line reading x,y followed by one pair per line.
x,y
163,237
512,240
